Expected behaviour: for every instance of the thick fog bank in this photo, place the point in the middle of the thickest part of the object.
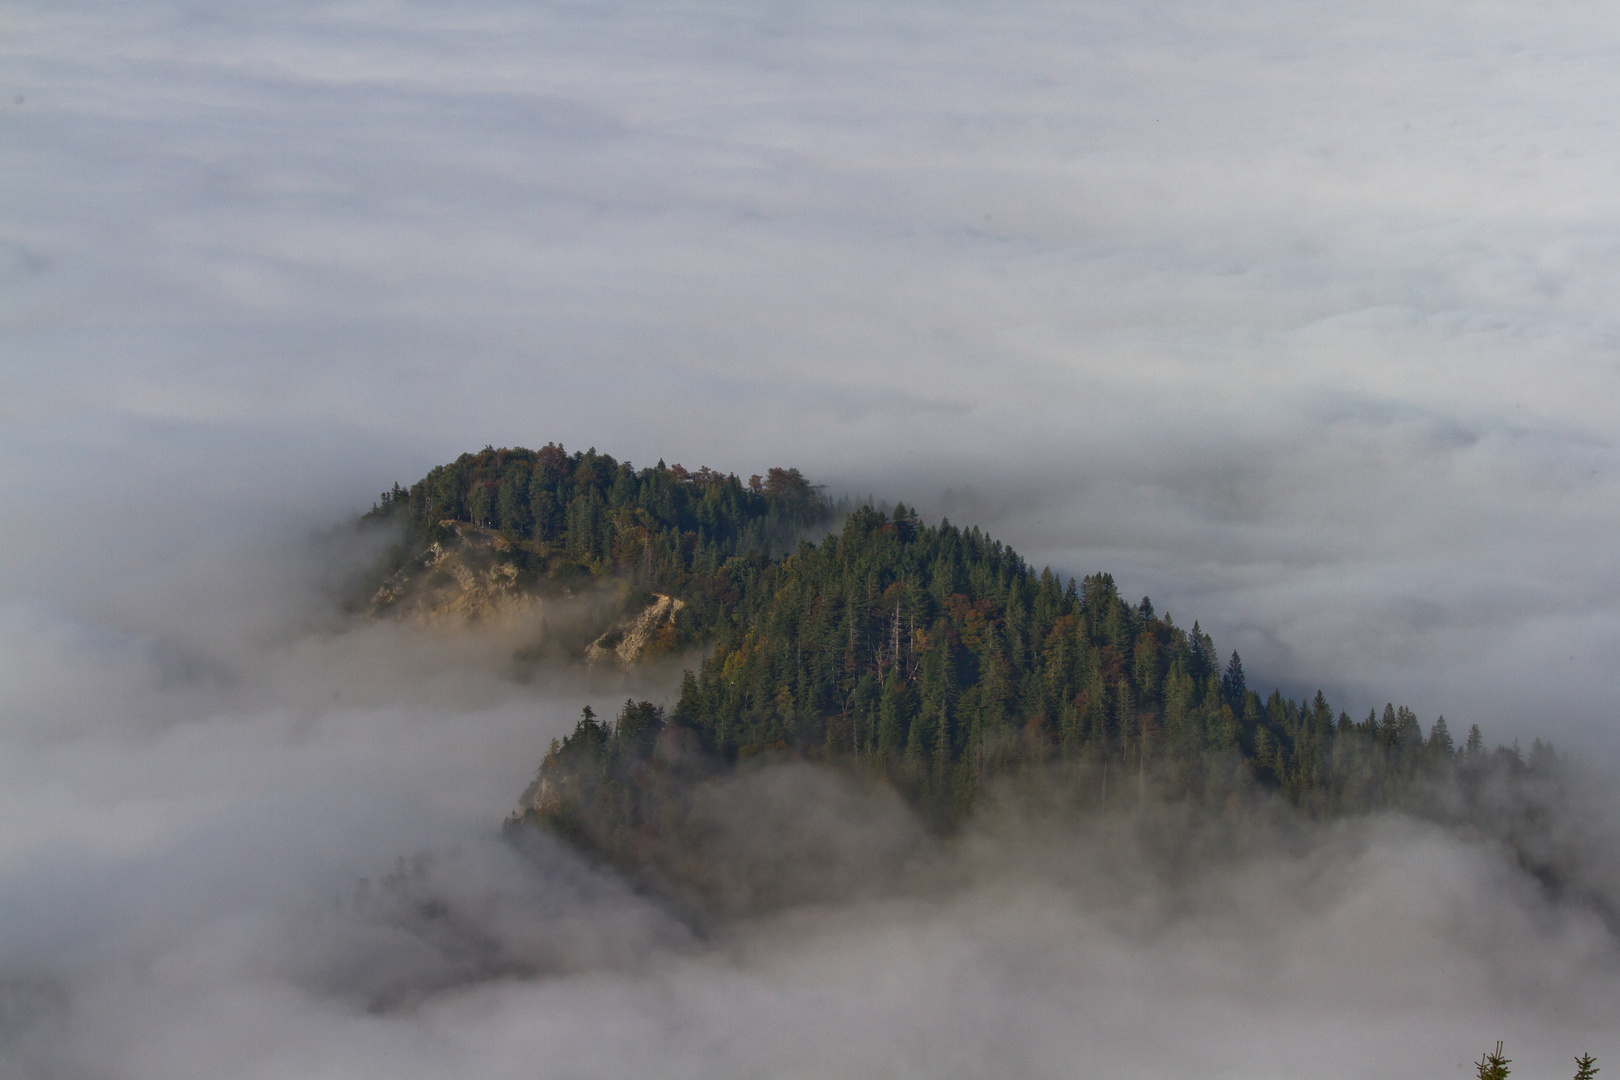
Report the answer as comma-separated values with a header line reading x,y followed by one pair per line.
x,y
1030,949
269,845
1297,319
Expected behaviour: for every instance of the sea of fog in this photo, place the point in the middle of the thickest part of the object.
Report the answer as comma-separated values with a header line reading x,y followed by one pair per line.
x,y
246,834
1298,318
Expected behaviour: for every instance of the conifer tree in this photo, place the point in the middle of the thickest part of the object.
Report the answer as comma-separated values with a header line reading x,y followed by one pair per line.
x,y
1233,683
1493,1066
1586,1067
1440,745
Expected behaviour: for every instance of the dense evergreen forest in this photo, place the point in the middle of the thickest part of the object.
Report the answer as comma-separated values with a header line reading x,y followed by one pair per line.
x,y
930,657
935,658
700,535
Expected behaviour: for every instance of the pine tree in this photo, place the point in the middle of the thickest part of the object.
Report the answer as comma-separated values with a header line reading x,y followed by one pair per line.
x,y
1585,1067
1389,727
1440,744
1493,1066
1233,683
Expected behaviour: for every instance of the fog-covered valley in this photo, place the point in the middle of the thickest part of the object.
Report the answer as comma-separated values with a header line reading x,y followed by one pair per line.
x,y
252,834
1297,320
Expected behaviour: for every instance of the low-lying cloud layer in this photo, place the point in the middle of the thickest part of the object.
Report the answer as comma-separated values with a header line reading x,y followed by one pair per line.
x,y
249,836
282,858
1298,320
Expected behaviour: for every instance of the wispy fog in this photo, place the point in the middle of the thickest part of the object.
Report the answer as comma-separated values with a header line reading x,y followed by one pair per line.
x,y
246,835
1299,318
276,854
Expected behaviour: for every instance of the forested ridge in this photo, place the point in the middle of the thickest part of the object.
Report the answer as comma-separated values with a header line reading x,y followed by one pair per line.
x,y
568,518
938,657
935,658
928,656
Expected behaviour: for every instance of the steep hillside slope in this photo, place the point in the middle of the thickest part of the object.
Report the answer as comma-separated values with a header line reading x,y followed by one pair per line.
x,y
494,532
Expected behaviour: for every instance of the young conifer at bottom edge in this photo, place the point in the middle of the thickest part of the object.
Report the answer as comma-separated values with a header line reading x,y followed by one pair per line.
x,y
1493,1066
1585,1067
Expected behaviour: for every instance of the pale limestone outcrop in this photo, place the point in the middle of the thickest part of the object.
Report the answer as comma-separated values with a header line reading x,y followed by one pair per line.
x,y
462,578
625,642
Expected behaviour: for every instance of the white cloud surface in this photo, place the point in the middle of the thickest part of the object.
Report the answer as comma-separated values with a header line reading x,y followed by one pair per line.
x,y
1296,317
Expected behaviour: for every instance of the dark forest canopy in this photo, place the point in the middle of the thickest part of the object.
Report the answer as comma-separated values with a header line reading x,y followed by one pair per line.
x,y
939,658
662,520
699,535
934,657
930,656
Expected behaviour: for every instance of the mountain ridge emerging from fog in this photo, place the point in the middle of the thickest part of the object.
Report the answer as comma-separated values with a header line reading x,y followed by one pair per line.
x,y
929,658
489,530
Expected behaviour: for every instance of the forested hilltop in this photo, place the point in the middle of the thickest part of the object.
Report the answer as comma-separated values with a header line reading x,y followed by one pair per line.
x,y
930,657
559,520
936,658
665,521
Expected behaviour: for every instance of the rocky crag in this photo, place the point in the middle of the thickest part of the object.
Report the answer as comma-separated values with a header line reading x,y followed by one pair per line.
x,y
468,576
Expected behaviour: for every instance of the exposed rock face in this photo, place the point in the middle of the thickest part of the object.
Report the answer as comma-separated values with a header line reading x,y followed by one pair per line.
x,y
476,576
626,642
469,577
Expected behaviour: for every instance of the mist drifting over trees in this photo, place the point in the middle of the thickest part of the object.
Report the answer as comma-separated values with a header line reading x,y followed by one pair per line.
x,y
1299,321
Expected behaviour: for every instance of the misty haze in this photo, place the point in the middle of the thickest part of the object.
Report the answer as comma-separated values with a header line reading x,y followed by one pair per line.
x,y
1043,541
